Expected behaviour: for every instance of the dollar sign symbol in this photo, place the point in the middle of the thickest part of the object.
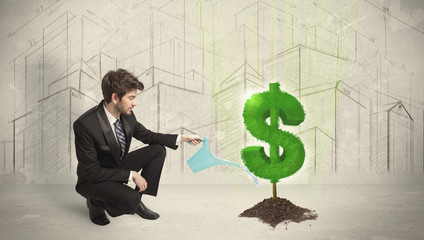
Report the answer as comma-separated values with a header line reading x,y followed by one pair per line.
x,y
274,104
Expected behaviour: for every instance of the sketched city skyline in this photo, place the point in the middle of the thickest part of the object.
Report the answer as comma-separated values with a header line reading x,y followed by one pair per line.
x,y
362,116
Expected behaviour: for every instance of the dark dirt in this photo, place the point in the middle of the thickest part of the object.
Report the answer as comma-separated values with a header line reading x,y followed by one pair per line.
x,y
280,210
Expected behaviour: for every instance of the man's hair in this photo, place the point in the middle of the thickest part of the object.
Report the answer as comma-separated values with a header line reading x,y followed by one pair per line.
x,y
119,82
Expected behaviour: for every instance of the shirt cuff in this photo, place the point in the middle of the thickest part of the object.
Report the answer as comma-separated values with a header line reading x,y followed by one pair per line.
x,y
177,143
130,177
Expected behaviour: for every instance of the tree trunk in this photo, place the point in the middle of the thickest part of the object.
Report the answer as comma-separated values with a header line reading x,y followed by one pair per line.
x,y
274,191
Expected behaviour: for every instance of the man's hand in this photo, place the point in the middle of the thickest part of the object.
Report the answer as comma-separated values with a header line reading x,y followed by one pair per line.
x,y
192,139
139,181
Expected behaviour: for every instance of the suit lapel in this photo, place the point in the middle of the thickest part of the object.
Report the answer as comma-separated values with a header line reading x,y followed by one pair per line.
x,y
108,133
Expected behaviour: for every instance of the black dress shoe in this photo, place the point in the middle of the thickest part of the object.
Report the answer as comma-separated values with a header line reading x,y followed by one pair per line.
x,y
146,213
97,213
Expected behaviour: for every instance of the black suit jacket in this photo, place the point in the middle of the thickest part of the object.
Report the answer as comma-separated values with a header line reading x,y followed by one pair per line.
x,y
98,152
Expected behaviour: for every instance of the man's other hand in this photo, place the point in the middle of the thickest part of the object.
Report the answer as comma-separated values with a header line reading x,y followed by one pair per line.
x,y
191,139
139,181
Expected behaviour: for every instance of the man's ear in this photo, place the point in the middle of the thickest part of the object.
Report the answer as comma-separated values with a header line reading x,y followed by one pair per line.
x,y
115,98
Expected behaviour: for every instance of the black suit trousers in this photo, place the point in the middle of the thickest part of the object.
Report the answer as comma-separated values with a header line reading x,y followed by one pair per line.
x,y
118,198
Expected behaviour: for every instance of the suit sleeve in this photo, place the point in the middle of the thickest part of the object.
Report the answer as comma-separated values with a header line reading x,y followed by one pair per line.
x,y
88,166
148,137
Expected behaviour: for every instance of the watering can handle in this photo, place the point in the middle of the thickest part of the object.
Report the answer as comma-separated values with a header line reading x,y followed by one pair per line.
x,y
198,139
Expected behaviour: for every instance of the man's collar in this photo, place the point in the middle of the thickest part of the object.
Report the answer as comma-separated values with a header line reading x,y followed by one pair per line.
x,y
109,116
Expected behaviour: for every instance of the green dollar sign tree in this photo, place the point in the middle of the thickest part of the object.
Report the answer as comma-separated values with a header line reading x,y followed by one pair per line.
x,y
273,104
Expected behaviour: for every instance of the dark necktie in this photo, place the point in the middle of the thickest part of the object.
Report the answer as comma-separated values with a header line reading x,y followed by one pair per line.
x,y
121,136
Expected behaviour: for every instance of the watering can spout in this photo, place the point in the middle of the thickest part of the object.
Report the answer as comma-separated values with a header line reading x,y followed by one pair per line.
x,y
203,159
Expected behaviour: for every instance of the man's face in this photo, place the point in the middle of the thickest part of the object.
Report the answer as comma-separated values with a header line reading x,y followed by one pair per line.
x,y
127,102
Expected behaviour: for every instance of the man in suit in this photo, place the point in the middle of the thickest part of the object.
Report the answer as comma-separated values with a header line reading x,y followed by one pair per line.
x,y
103,136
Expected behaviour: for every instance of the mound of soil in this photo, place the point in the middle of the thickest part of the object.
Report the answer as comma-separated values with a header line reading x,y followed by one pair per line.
x,y
280,210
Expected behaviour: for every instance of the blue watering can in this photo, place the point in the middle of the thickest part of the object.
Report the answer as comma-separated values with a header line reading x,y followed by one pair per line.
x,y
203,159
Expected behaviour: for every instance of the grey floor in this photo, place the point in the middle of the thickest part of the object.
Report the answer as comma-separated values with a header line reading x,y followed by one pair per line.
x,y
211,212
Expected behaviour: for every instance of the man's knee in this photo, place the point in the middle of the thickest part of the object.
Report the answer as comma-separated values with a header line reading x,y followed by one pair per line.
x,y
158,151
